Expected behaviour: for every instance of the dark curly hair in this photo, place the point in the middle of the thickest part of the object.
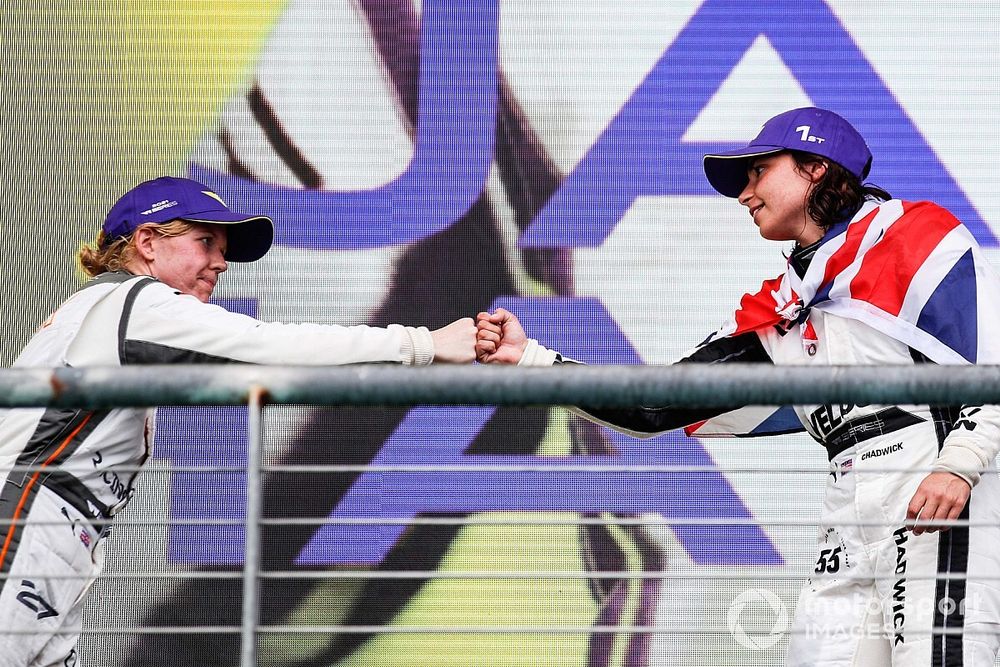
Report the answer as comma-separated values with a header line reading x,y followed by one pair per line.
x,y
838,193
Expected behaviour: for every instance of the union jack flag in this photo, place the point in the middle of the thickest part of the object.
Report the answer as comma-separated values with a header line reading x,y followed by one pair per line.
x,y
910,270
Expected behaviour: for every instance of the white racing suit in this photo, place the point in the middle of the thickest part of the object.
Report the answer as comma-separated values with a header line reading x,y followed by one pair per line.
x,y
877,590
65,473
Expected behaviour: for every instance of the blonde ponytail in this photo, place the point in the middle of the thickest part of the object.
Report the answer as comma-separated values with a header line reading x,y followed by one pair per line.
x,y
103,257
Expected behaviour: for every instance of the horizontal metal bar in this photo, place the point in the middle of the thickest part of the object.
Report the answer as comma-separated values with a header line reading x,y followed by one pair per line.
x,y
665,575
137,630
765,574
574,464
580,463
647,519
569,629
121,523
145,469
466,630
117,576
377,384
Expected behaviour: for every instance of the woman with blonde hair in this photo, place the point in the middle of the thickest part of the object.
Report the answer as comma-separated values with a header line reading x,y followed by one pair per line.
x,y
155,264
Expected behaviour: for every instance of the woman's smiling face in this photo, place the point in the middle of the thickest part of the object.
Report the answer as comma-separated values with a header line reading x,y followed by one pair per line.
x,y
777,195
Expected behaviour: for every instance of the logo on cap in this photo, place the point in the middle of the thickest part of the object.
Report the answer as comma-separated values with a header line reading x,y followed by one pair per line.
x,y
215,197
159,206
804,131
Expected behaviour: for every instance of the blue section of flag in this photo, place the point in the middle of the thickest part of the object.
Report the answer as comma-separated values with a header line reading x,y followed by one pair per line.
x,y
950,315
783,420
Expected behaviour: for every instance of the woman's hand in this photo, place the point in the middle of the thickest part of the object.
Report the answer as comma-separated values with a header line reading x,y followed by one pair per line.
x,y
942,495
500,339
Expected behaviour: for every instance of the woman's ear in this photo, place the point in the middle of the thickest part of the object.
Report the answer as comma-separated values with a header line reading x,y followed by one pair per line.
x,y
142,239
816,170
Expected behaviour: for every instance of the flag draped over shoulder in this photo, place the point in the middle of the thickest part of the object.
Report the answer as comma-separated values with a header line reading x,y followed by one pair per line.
x,y
910,270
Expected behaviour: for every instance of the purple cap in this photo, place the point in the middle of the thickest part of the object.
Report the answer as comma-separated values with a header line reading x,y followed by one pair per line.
x,y
809,129
168,198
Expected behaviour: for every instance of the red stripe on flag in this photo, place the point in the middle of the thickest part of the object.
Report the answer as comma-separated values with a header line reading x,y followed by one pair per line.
x,y
890,265
848,252
693,428
757,311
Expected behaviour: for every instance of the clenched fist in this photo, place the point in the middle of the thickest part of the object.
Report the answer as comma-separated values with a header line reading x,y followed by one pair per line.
x,y
501,339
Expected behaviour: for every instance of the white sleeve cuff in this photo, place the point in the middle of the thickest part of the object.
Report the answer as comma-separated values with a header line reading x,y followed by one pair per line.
x,y
536,355
417,348
960,459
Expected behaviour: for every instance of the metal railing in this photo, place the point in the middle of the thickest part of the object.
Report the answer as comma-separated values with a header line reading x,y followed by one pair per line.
x,y
604,386
608,386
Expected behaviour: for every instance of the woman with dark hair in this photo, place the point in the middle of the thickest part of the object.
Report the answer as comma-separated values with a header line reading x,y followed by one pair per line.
x,y
870,281
837,194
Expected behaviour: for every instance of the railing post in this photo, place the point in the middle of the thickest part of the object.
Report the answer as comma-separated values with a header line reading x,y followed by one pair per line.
x,y
251,529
